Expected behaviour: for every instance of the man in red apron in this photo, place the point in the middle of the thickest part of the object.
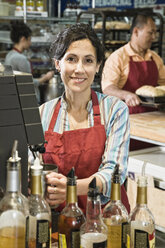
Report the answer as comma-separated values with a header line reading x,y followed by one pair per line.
x,y
133,66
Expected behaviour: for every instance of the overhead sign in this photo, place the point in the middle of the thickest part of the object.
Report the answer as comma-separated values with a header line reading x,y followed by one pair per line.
x,y
120,4
148,3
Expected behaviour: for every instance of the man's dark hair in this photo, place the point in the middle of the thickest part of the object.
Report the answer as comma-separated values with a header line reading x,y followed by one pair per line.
x,y
140,20
18,30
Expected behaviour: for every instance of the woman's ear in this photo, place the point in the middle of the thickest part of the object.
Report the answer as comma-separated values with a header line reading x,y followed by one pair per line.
x,y
57,64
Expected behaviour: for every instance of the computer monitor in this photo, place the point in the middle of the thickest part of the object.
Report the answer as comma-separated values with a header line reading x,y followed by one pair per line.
x,y
19,120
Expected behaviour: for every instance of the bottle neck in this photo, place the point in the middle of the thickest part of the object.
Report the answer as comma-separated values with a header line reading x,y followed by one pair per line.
x,y
93,208
13,178
141,195
115,192
71,194
36,188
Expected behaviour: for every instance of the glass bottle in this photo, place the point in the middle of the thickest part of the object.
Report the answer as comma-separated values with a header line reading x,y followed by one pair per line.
x,y
71,217
93,232
39,211
115,215
39,6
30,5
141,219
19,5
12,208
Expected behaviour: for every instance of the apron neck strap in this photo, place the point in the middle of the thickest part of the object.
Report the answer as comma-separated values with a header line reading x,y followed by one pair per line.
x,y
54,116
96,111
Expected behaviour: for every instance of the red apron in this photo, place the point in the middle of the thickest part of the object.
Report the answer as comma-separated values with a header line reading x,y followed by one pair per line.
x,y
140,73
81,149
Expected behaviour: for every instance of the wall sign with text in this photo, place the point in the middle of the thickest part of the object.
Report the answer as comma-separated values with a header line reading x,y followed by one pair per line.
x,y
120,4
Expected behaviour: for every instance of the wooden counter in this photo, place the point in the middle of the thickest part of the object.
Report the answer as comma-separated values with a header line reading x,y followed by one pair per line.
x,y
149,127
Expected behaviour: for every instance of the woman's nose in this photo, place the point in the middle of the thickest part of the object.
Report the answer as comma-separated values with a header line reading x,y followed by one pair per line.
x,y
79,67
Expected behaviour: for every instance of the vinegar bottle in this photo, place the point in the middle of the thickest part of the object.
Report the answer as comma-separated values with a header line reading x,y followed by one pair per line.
x,y
142,220
71,217
39,211
39,6
93,232
13,212
115,215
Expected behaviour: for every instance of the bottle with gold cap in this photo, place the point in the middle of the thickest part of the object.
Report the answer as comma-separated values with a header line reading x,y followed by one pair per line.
x,y
39,5
39,211
19,5
115,215
141,219
30,5
71,217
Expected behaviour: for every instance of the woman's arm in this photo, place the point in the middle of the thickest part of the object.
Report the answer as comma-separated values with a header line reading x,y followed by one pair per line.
x,y
116,116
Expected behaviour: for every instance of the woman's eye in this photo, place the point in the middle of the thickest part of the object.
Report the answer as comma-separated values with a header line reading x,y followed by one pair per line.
x,y
89,60
71,59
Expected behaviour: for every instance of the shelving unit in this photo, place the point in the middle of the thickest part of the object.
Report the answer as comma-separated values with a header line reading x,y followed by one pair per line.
x,y
37,42
113,38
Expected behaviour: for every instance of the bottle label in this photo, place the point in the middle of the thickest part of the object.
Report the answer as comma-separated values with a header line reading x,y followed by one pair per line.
x,y
144,239
62,241
18,8
114,236
117,235
40,8
93,240
100,245
43,234
97,245
125,234
75,238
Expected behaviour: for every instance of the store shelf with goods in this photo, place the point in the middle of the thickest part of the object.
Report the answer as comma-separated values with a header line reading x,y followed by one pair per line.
x,y
113,27
44,31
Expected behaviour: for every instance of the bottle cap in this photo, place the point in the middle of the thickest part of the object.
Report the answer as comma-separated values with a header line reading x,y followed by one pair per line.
x,y
93,189
71,178
116,174
14,154
142,181
37,167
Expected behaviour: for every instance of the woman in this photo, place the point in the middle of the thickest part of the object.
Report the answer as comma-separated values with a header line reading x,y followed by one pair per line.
x,y
21,37
83,128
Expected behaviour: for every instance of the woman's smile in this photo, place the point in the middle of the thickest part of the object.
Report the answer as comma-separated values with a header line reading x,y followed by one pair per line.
x,y
78,80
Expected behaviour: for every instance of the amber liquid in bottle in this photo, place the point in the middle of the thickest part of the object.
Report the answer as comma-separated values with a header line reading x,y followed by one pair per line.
x,y
12,237
12,208
71,217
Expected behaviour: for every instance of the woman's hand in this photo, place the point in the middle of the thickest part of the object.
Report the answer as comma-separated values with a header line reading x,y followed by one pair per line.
x,y
56,189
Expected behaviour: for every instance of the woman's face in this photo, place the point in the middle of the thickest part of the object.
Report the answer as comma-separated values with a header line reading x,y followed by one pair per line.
x,y
78,66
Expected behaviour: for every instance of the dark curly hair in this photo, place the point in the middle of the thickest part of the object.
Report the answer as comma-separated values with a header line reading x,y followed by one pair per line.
x,y
75,32
18,30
